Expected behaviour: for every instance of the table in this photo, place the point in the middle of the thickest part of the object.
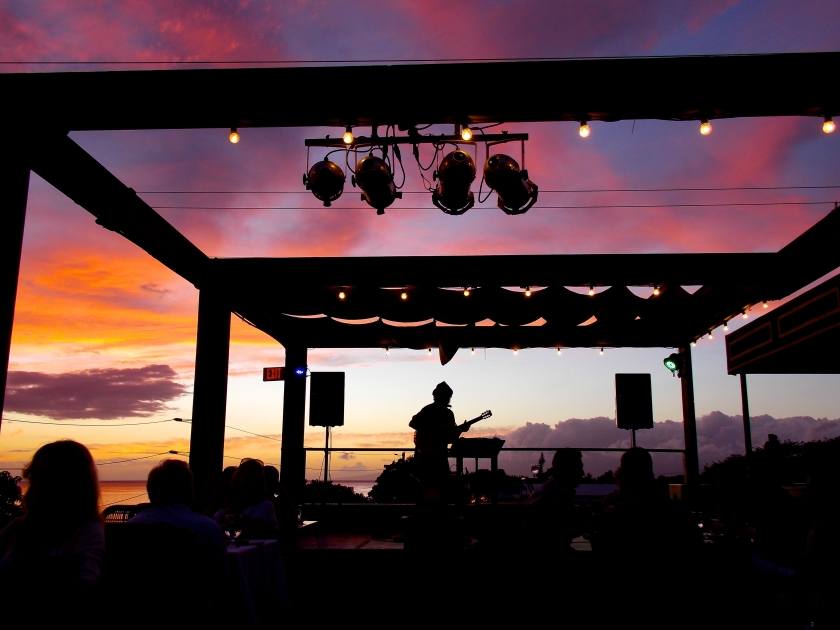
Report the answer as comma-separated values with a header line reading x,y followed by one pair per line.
x,y
258,579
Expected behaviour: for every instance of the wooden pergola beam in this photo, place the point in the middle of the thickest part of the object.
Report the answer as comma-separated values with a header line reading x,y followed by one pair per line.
x,y
73,171
666,88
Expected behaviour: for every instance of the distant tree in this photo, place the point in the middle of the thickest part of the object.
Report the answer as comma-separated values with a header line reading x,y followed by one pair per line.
x,y
398,483
317,491
10,498
790,462
607,477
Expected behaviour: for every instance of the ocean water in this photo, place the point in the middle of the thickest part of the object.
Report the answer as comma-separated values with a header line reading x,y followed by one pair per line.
x,y
127,492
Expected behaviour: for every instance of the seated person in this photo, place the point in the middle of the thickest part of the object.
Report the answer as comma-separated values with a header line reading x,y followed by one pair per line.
x,y
639,519
284,509
170,489
550,513
253,506
54,552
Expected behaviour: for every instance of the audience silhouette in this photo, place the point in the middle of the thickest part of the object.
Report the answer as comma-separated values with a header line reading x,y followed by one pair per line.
x,y
170,489
55,551
251,509
284,508
550,512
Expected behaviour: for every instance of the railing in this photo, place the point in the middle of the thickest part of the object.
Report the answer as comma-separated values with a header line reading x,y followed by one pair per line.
x,y
541,449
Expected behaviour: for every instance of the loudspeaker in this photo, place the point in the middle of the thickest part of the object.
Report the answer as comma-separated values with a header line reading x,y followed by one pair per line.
x,y
326,399
633,401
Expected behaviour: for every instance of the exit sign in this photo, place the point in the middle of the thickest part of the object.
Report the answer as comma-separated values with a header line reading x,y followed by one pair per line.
x,y
273,374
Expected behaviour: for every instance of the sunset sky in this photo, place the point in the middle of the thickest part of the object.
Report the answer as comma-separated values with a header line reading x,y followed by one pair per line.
x,y
105,335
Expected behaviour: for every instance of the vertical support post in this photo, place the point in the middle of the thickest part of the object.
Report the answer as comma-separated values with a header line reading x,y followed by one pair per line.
x,y
327,457
292,455
691,458
14,182
494,467
745,409
212,351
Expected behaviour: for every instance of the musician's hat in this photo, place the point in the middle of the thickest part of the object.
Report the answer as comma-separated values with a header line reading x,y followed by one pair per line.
x,y
442,390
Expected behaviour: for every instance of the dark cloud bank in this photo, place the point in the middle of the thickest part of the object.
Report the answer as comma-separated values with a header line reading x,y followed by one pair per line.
x,y
719,436
101,393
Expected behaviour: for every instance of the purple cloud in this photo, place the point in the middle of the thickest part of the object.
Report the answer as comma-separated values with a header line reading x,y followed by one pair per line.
x,y
105,394
718,435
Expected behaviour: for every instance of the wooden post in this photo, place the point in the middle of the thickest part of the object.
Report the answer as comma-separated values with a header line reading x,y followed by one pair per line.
x,y
292,455
14,182
745,409
212,351
691,459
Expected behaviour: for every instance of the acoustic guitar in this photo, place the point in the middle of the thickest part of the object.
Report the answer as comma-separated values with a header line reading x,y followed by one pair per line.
x,y
425,446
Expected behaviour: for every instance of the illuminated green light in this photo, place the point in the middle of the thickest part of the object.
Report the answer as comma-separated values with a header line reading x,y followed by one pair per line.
x,y
671,365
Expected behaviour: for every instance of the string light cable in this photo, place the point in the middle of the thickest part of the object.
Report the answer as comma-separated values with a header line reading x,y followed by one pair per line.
x,y
569,207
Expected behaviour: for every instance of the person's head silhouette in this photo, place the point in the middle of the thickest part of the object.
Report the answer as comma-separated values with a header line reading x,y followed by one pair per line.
x,y
272,479
442,393
63,487
636,470
249,483
567,467
170,483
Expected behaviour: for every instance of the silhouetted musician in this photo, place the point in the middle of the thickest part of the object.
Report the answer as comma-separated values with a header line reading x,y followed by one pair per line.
x,y
434,430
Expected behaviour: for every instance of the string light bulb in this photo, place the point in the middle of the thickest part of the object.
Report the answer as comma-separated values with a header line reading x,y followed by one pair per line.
x,y
584,130
710,335
764,304
591,290
828,125
234,135
744,314
348,135
386,351
341,295
430,351
705,127
601,352
515,351
725,326
656,290
404,295
466,134
472,351
559,352
527,291
693,344
467,292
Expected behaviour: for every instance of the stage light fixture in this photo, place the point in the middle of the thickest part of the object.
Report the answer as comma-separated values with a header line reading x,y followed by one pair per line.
x,y
591,290
656,290
341,295
584,130
348,135
234,135
455,175
374,178
326,181
672,362
466,134
828,125
516,193
705,127
404,295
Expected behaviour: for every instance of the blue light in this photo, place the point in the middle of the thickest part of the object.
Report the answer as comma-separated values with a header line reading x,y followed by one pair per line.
x,y
300,371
